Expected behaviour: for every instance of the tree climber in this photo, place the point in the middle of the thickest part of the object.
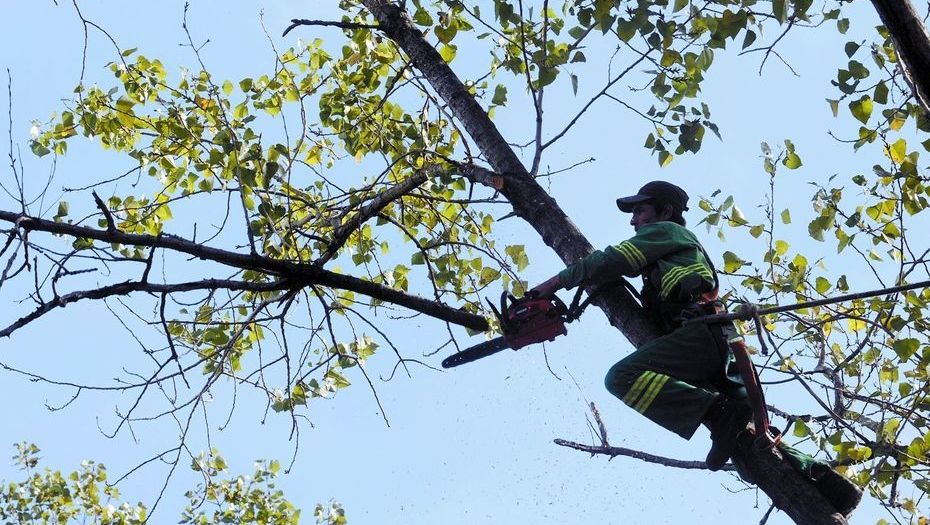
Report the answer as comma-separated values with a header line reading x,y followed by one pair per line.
x,y
687,376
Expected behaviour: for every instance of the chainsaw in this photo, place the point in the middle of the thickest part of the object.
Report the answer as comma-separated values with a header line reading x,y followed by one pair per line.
x,y
530,319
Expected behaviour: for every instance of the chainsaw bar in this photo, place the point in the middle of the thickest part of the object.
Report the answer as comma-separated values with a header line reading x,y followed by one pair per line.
x,y
476,352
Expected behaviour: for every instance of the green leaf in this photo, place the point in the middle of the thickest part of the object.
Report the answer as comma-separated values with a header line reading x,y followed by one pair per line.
x,y
780,10
227,87
814,231
500,95
665,158
781,247
626,29
897,151
834,106
547,75
732,262
679,5
822,285
38,149
445,34
517,253
422,17
890,429
851,48
736,217
842,25
862,109
786,216
881,93
447,52
62,210
906,348
792,161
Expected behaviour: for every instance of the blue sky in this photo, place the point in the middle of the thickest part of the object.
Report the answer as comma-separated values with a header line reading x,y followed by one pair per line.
x,y
469,446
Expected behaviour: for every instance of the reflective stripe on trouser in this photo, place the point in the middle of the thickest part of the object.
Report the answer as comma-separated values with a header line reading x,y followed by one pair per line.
x,y
674,379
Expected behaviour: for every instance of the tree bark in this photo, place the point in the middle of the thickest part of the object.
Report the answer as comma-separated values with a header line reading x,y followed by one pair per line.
x,y
785,486
912,43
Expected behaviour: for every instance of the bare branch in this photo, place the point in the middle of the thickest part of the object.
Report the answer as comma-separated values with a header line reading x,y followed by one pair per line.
x,y
130,287
644,456
296,22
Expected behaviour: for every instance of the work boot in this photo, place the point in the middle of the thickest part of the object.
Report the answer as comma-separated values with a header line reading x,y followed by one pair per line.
x,y
727,419
843,494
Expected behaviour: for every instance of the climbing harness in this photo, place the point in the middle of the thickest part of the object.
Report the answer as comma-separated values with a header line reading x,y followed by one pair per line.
x,y
751,312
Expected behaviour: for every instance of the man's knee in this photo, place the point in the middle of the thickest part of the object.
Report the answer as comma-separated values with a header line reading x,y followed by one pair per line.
x,y
619,379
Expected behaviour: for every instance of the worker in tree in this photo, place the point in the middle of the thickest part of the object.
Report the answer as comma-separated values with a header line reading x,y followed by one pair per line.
x,y
687,376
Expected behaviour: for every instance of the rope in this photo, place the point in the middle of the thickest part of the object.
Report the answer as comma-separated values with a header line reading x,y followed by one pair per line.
x,y
747,311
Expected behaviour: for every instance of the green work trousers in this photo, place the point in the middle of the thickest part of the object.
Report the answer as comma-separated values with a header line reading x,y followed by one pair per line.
x,y
674,379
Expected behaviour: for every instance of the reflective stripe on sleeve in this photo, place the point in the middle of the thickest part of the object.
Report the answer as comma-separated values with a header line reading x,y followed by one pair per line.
x,y
632,254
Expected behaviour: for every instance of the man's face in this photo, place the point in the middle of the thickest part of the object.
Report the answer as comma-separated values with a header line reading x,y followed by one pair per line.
x,y
644,213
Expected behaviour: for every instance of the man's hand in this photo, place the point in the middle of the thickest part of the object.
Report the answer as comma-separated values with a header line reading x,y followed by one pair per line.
x,y
547,288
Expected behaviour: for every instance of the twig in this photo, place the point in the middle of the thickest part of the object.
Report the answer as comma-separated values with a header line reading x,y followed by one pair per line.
x,y
111,225
644,456
600,424
296,22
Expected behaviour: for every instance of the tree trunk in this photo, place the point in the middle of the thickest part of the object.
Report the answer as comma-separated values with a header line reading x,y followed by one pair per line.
x,y
785,486
530,201
912,43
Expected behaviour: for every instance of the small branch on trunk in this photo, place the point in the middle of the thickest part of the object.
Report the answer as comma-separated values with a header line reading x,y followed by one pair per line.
x,y
297,22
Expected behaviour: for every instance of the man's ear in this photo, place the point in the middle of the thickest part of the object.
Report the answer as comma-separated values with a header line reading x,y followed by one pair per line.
x,y
667,212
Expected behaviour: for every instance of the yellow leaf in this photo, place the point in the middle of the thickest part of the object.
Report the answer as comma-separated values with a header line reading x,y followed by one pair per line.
x,y
856,325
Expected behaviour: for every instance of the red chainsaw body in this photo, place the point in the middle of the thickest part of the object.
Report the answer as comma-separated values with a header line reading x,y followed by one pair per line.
x,y
529,321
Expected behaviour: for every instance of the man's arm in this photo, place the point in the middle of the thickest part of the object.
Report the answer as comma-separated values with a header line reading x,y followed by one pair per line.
x,y
548,287
628,258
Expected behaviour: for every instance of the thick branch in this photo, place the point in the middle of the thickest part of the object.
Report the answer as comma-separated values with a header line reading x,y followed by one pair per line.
x,y
373,207
297,273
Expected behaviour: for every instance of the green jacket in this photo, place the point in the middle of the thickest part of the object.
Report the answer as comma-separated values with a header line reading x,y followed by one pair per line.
x,y
667,255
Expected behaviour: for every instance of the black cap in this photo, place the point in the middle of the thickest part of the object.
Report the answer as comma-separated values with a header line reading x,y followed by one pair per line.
x,y
657,190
